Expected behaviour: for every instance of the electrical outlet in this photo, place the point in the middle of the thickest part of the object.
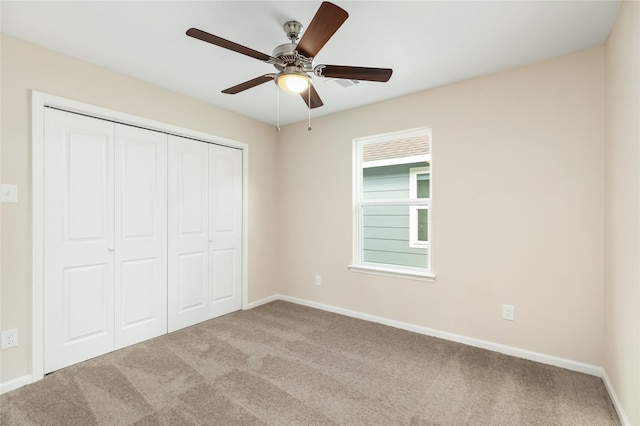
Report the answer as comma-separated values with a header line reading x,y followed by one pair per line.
x,y
318,280
508,312
9,338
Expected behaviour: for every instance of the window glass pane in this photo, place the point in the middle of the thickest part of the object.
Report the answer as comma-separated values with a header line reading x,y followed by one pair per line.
x,y
389,182
400,149
423,225
423,186
385,237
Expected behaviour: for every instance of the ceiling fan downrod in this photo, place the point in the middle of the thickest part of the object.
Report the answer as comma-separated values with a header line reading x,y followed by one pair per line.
x,y
293,29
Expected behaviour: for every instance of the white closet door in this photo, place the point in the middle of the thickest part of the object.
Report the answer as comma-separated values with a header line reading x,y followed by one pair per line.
x,y
225,229
78,240
140,235
189,297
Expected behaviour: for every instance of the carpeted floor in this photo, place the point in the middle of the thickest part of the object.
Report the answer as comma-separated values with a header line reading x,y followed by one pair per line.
x,y
284,364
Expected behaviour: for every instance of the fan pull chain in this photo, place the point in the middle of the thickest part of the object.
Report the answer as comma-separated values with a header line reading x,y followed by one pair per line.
x,y
277,108
309,109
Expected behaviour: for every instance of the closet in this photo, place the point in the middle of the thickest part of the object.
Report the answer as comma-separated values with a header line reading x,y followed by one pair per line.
x,y
142,235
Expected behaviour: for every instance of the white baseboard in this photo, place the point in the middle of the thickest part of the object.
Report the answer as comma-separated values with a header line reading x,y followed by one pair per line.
x,y
16,383
264,301
568,364
614,398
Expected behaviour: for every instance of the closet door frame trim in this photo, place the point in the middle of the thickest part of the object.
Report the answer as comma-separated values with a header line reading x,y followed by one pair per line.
x,y
40,101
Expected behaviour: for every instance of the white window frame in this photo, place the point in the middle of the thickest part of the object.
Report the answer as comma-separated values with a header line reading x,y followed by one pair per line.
x,y
413,210
397,271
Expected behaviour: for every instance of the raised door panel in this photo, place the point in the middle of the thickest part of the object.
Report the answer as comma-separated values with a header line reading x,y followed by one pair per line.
x,y
78,238
189,295
85,302
225,229
225,275
140,235
193,282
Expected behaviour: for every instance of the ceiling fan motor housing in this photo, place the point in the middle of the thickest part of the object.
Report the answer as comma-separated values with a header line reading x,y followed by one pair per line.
x,y
287,56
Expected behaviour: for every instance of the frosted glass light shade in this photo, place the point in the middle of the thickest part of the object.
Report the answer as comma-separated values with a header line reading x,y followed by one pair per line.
x,y
293,82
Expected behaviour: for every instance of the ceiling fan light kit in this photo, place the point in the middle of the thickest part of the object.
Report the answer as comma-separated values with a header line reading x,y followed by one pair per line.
x,y
293,81
295,60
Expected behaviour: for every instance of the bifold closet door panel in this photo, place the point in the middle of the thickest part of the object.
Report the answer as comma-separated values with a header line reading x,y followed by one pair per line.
x,y
189,293
225,229
78,238
140,235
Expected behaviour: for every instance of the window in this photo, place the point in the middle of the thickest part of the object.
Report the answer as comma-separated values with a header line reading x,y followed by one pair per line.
x,y
392,204
419,179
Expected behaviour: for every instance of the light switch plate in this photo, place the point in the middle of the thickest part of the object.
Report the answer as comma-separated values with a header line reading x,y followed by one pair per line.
x,y
8,193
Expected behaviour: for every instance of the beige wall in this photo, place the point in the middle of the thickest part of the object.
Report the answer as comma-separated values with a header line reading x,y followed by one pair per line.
x,y
517,208
27,67
622,209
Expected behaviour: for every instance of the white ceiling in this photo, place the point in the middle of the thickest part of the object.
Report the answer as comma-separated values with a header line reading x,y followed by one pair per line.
x,y
427,43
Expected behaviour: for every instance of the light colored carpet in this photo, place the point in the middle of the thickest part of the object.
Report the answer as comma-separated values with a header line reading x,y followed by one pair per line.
x,y
284,364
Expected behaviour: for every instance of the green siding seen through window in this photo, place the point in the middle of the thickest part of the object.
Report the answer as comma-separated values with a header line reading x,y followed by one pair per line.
x,y
385,229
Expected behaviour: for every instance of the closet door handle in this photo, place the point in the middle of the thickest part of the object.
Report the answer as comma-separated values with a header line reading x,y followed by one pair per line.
x,y
110,248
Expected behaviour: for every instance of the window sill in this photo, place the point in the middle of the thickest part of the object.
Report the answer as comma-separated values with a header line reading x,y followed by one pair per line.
x,y
410,274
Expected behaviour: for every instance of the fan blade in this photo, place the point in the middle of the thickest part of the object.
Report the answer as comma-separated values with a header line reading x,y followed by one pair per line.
x,y
249,84
324,24
355,73
219,41
315,98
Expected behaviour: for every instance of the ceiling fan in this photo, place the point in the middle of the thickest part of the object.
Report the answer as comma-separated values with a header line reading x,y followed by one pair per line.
x,y
295,60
